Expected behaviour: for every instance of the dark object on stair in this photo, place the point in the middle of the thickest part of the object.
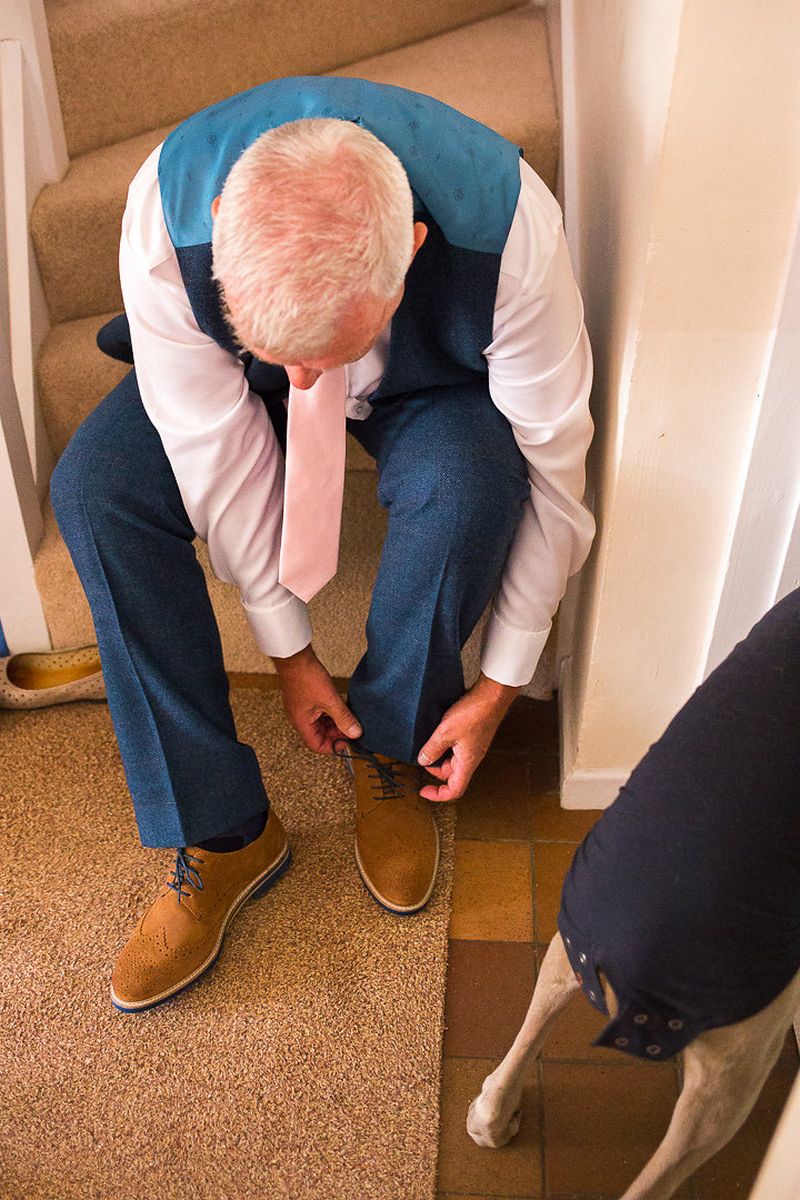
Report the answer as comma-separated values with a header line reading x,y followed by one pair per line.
x,y
114,339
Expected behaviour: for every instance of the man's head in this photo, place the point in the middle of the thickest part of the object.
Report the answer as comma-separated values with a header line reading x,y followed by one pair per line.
x,y
313,235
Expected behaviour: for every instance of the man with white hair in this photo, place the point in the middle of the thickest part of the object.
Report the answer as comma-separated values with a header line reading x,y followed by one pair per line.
x,y
400,271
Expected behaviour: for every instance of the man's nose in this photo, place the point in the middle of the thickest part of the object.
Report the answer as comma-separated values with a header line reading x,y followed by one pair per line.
x,y
302,377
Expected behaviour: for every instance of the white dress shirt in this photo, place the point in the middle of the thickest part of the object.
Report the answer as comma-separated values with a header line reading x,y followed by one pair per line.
x,y
229,468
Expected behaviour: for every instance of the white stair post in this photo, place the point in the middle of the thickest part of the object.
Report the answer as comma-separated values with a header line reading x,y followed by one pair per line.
x,y
32,153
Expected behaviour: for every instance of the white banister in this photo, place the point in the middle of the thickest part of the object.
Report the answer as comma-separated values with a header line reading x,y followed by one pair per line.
x,y
32,153
15,211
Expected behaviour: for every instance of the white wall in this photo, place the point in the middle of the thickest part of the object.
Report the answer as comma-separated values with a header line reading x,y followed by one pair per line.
x,y
764,560
681,217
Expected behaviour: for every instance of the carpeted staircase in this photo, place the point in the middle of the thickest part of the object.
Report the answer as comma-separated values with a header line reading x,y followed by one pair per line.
x,y
127,73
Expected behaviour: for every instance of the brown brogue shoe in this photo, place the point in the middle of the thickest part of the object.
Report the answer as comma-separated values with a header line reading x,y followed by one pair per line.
x,y
397,840
180,936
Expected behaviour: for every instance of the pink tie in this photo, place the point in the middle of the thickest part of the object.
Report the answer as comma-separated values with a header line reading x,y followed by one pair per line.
x,y
312,494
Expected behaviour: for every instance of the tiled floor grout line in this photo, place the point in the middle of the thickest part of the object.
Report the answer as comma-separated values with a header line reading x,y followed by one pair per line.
x,y
599,1064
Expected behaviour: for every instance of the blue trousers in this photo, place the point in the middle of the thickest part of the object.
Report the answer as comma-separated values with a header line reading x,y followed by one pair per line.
x,y
454,483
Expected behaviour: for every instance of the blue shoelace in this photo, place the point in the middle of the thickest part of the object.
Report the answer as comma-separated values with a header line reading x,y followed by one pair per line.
x,y
184,873
385,785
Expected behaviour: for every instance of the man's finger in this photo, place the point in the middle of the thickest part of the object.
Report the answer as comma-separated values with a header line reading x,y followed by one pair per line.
x,y
443,770
312,736
338,711
457,781
439,793
436,745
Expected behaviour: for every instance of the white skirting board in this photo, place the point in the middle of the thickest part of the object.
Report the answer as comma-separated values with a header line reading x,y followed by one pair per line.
x,y
581,788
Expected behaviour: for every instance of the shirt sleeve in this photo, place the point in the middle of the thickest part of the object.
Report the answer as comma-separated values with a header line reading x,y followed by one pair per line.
x,y
216,433
540,377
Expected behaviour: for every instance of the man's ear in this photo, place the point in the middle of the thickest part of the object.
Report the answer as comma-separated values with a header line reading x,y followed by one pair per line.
x,y
214,207
420,233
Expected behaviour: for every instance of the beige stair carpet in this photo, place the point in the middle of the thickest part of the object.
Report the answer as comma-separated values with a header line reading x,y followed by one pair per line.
x,y
112,60
304,1066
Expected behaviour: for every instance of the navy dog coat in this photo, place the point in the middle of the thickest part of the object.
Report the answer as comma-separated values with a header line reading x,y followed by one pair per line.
x,y
686,893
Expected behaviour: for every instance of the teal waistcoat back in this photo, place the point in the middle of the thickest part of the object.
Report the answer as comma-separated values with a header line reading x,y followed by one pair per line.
x,y
465,181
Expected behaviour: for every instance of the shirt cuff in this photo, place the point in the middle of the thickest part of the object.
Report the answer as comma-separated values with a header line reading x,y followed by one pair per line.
x,y
282,631
510,655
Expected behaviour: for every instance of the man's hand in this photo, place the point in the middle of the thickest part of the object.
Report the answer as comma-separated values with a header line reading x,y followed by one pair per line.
x,y
467,730
312,703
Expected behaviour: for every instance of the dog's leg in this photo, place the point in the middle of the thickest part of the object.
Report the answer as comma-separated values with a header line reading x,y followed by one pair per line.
x,y
724,1071
494,1115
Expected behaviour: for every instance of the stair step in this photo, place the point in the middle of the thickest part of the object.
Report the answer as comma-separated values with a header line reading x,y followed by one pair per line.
x,y
496,71
122,69
74,376
75,226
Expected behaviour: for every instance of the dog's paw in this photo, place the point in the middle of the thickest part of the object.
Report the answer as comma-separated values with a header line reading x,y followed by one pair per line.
x,y
488,1126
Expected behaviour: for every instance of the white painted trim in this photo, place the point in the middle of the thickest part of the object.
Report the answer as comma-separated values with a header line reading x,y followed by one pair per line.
x,y
569,177
21,613
581,789
15,211
25,21
763,562
559,19
33,153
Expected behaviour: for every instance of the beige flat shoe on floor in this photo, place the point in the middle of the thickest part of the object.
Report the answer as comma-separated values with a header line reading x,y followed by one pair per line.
x,y
51,677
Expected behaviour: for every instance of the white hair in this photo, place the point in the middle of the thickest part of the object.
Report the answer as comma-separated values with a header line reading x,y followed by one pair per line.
x,y
315,215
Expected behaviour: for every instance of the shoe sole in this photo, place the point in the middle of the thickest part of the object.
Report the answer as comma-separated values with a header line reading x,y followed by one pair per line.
x,y
254,890
397,909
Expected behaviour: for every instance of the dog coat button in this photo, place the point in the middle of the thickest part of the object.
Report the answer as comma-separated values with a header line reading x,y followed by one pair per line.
x,y
592,995
620,1041
642,1018
582,957
653,1049
567,942
675,1023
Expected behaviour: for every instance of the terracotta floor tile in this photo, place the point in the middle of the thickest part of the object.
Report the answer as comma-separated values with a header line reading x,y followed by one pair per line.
x,y
602,1124
551,861
552,823
467,1169
492,892
731,1173
531,726
489,988
497,803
